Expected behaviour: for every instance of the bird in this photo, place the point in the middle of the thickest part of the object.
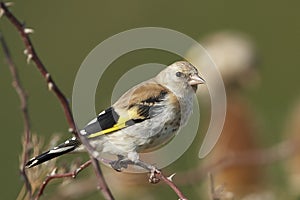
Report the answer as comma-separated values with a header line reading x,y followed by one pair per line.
x,y
143,119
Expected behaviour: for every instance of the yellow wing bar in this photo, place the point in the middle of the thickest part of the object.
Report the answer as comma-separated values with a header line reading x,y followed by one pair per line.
x,y
119,125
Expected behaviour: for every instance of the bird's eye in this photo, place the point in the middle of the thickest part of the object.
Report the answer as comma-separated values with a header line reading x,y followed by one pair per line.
x,y
178,74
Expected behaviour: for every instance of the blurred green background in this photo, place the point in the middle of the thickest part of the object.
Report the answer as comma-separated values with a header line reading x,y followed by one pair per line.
x,y
66,31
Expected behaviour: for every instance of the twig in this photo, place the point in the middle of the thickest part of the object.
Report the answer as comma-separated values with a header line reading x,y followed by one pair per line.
x,y
215,194
212,185
23,100
157,175
55,176
174,187
32,55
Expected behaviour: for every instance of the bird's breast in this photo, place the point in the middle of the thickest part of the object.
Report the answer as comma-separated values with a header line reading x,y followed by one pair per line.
x,y
162,137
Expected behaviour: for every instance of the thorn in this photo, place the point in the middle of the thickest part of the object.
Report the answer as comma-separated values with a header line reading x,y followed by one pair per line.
x,y
29,57
48,76
28,30
75,173
50,86
9,4
70,129
53,172
170,178
25,51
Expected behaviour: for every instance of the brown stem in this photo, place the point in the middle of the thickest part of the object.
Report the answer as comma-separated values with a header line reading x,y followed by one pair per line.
x,y
174,187
157,175
23,101
69,174
101,181
30,51
32,55
215,194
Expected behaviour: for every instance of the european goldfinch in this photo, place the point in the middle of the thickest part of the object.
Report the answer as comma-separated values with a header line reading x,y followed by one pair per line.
x,y
144,118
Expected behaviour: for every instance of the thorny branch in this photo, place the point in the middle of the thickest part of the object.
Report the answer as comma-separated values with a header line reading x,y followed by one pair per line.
x,y
55,176
170,183
215,193
23,100
156,176
32,55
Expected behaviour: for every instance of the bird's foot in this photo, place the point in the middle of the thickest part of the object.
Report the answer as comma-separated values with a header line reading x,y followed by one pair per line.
x,y
122,162
154,172
118,165
154,175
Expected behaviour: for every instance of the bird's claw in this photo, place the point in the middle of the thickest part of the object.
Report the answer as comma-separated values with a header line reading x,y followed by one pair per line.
x,y
118,165
154,175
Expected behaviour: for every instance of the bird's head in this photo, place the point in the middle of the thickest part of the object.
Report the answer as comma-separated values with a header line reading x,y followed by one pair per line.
x,y
179,76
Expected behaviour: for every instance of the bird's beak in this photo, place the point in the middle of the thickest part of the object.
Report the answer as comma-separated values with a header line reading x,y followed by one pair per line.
x,y
195,79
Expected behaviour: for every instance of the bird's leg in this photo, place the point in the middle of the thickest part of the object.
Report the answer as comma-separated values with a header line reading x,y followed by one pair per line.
x,y
122,162
116,164
120,157
154,172
144,165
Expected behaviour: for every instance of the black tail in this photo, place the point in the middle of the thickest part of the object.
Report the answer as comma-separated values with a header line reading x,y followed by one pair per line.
x,y
61,149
